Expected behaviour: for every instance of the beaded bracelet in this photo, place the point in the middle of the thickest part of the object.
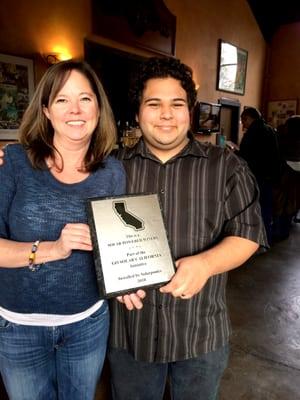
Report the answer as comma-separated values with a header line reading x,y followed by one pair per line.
x,y
31,259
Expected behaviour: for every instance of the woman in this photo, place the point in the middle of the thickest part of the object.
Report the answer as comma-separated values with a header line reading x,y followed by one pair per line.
x,y
53,326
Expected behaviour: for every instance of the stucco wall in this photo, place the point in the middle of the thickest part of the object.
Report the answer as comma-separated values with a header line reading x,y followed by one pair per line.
x,y
33,28
199,26
283,77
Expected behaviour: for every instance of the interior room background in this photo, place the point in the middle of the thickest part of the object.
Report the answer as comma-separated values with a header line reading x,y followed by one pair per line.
x,y
31,29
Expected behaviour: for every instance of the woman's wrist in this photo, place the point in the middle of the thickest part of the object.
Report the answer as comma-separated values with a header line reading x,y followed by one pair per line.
x,y
48,251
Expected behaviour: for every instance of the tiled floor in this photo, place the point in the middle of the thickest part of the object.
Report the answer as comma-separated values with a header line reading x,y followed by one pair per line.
x,y
264,303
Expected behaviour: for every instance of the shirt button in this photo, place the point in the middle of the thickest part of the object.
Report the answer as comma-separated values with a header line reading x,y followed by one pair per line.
x,y
162,191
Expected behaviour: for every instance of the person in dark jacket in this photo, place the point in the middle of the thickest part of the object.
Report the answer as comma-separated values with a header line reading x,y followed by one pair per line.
x,y
287,191
259,147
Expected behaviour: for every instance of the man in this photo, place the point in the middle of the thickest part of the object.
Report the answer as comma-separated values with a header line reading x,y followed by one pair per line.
x,y
210,205
259,147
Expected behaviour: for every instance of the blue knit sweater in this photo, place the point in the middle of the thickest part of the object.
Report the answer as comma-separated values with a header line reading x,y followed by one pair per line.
x,y
36,206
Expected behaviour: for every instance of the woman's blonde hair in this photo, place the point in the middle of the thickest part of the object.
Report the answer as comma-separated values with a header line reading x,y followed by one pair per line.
x,y
36,131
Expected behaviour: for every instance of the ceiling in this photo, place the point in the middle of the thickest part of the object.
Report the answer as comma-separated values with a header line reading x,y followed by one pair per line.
x,y
270,15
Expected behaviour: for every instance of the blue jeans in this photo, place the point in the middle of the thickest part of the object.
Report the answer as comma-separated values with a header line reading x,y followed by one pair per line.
x,y
193,379
62,362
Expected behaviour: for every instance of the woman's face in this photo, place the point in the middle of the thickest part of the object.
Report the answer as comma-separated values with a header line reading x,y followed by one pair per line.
x,y
74,112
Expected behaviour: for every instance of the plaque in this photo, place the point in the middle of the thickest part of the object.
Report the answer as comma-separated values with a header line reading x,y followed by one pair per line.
x,y
130,243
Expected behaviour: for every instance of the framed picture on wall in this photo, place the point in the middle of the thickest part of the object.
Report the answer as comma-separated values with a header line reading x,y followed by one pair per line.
x,y
280,110
232,68
16,90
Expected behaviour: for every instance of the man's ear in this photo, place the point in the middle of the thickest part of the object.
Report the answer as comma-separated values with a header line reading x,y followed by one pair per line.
x,y
137,118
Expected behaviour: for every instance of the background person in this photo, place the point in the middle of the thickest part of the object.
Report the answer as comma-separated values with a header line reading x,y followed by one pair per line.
x,y
259,147
287,191
53,326
210,204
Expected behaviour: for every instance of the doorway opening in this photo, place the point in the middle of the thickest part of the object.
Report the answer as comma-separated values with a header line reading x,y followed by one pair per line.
x,y
230,118
116,69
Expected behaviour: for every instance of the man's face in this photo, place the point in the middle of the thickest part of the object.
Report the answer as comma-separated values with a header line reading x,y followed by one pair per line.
x,y
246,121
164,117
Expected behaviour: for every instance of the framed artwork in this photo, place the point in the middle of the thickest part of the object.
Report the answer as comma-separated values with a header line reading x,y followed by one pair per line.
x,y
16,90
232,68
280,110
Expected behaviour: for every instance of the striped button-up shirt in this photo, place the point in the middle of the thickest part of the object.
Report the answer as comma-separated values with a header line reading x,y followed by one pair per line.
x,y
206,193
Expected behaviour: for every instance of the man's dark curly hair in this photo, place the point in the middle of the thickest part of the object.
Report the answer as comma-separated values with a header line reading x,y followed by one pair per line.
x,y
157,67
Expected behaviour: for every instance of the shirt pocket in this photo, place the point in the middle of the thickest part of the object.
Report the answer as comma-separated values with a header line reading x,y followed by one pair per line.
x,y
204,228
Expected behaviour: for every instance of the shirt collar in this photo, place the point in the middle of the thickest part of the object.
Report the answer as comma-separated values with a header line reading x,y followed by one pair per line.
x,y
193,148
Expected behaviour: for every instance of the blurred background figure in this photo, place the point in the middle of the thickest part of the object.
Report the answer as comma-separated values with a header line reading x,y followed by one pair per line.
x,y
260,148
287,191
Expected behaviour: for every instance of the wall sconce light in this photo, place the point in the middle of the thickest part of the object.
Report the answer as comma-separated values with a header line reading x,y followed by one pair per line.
x,y
53,58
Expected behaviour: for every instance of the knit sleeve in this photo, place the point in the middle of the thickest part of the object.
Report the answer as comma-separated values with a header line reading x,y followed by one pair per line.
x,y
7,190
119,179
